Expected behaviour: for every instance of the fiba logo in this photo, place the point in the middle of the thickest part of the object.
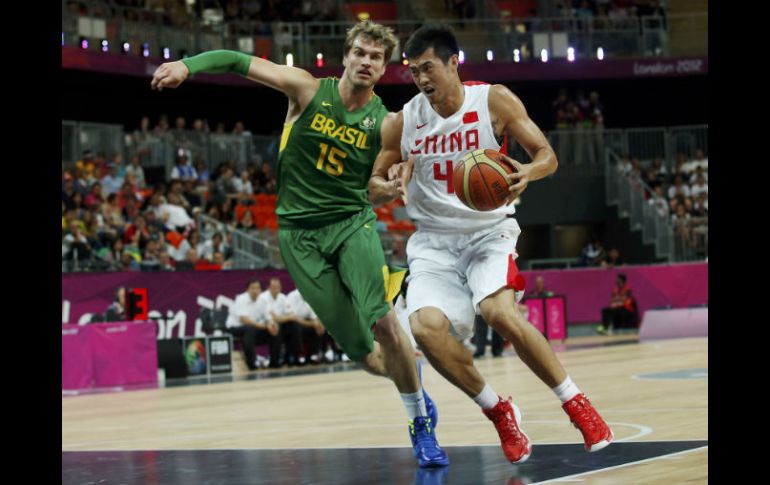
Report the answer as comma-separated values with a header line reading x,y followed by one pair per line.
x,y
195,354
220,347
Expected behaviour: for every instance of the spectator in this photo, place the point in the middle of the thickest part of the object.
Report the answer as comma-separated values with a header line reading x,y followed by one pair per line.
x,y
249,320
698,172
276,310
173,216
699,160
593,253
679,188
700,186
75,245
246,224
190,261
225,187
539,291
701,205
164,261
659,202
94,198
116,312
613,259
266,179
129,262
137,233
660,170
136,172
111,183
111,212
622,311
681,220
183,170
651,179
204,177
243,186
216,244
220,262
161,129
312,331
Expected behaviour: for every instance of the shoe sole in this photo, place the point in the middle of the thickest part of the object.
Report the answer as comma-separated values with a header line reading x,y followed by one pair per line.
x,y
602,444
517,415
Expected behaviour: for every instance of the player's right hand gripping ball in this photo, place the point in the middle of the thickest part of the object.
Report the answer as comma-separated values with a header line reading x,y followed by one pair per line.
x,y
480,180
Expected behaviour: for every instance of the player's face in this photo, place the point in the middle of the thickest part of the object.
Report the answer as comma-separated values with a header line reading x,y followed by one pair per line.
x,y
432,76
365,62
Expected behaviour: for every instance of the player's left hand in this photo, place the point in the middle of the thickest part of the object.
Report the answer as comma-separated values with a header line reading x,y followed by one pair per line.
x,y
402,173
518,180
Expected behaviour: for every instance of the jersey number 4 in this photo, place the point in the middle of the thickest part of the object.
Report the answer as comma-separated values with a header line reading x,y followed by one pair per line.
x,y
439,175
333,158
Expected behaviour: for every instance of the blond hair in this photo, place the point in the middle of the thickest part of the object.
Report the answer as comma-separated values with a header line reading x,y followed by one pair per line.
x,y
375,32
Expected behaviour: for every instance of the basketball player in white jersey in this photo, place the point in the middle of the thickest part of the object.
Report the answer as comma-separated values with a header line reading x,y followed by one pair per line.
x,y
462,261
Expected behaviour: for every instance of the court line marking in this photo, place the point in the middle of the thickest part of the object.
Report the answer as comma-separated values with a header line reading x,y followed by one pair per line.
x,y
643,431
357,447
647,460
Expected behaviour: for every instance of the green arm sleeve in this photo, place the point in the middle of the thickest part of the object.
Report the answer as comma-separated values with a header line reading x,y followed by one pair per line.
x,y
219,61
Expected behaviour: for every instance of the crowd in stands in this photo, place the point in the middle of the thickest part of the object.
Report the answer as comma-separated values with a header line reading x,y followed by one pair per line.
x,y
680,194
601,10
179,13
113,219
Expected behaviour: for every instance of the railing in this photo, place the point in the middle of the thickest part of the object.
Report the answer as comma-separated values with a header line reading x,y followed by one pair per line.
x,y
251,250
630,37
551,263
161,150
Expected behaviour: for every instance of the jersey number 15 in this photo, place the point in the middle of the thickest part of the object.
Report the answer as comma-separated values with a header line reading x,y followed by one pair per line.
x,y
333,158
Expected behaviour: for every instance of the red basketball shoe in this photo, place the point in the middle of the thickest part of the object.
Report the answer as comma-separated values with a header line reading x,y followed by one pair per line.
x,y
506,418
596,433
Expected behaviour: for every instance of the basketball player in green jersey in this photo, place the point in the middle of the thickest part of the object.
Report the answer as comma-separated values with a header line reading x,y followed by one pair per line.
x,y
327,233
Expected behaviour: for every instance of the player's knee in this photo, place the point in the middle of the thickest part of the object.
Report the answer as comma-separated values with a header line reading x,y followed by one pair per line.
x,y
426,325
506,321
385,334
358,352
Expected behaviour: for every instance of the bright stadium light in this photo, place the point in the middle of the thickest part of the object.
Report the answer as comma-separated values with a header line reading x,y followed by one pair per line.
x,y
166,53
146,50
600,53
319,60
490,55
290,60
62,38
462,57
83,43
571,54
544,55
126,48
516,55
105,45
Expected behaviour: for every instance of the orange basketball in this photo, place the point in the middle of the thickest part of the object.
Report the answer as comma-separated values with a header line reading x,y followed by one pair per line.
x,y
479,179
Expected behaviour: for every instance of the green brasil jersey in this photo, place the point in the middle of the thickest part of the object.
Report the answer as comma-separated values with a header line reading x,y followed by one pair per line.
x,y
326,158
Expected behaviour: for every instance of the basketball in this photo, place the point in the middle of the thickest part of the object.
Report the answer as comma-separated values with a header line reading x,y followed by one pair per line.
x,y
480,179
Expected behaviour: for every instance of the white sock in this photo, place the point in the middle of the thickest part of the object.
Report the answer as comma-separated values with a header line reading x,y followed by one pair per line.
x,y
487,398
566,390
415,404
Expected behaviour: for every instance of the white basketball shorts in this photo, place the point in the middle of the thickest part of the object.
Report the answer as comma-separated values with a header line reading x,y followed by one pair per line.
x,y
455,272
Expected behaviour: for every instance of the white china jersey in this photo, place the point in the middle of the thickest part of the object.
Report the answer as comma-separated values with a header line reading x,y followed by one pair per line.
x,y
437,144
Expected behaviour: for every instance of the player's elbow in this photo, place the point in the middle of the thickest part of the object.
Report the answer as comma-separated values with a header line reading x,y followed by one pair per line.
x,y
553,162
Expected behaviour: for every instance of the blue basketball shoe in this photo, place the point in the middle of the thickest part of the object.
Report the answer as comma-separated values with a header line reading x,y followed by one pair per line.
x,y
424,445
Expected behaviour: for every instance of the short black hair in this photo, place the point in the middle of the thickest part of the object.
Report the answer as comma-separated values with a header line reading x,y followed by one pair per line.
x,y
622,277
438,36
251,282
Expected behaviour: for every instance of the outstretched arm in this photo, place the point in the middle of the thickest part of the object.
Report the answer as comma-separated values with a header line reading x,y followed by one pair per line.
x,y
293,82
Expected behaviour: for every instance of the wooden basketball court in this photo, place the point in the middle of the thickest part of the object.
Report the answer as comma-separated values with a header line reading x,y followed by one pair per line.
x,y
350,427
